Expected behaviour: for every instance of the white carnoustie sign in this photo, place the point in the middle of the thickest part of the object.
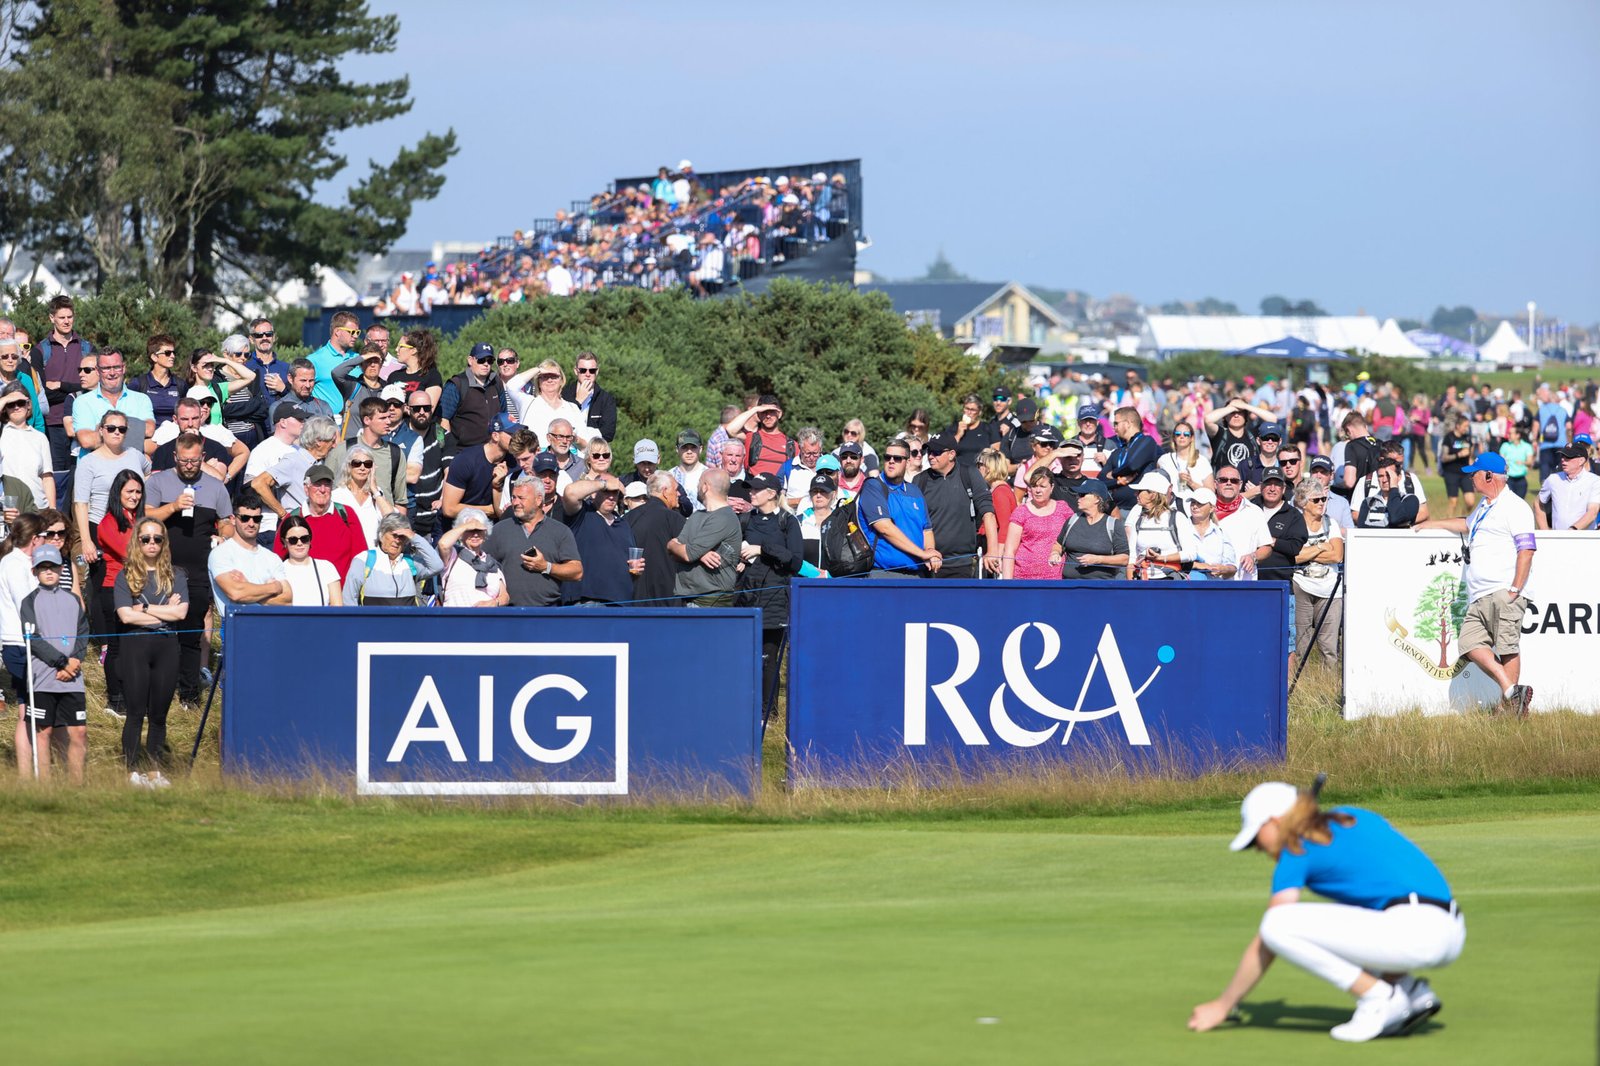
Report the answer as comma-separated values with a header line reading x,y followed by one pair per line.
x,y
1404,602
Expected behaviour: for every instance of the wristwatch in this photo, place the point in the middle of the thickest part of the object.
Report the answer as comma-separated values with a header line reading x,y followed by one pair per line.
x,y
548,566
1515,591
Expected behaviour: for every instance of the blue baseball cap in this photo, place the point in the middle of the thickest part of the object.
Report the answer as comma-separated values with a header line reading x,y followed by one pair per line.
x,y
1488,462
504,423
1583,438
1270,429
482,352
1087,411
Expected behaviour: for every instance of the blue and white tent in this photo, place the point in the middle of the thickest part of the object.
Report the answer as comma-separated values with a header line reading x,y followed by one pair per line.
x,y
1295,350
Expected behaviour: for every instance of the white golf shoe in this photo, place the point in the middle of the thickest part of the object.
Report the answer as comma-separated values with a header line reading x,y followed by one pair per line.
x,y
1375,1015
1424,1002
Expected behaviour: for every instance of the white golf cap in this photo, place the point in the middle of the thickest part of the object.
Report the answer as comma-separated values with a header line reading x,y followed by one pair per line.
x,y
1152,482
1271,799
635,490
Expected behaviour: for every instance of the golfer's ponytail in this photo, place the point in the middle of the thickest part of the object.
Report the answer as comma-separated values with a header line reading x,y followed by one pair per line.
x,y
1308,821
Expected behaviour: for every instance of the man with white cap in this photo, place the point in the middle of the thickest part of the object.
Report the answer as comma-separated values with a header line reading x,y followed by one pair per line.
x,y
1391,913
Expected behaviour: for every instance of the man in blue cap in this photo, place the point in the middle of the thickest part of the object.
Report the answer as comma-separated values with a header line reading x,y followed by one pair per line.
x,y
1500,545
1269,442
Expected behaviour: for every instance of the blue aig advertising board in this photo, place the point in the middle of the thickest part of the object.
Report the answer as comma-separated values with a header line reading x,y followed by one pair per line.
x,y
494,702
978,673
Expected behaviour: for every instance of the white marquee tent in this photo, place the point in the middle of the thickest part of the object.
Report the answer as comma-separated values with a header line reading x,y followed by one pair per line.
x,y
1392,341
1168,335
1506,347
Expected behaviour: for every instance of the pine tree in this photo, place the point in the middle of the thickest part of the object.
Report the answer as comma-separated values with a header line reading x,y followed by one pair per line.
x,y
174,141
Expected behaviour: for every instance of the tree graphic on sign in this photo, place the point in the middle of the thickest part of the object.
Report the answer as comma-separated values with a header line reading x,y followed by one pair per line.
x,y
1440,610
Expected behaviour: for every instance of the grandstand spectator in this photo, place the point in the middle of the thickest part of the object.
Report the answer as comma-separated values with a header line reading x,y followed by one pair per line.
x,y
367,364
24,449
598,407
281,486
418,356
392,573
344,339
313,582
851,476
971,433
472,577
470,400
151,601
473,479
1091,545
541,406
706,550
356,489
1243,522
592,509
1338,509
895,516
59,647
855,432
1184,466
1571,494
336,532
225,454
535,553
245,409
690,470
1550,431
161,384
1134,457
960,506
1214,557
646,460
111,394
707,276
1232,442
766,446
271,372
242,571
406,299
1318,590
561,438
795,475
58,359
422,441
655,523
507,365
302,381
376,414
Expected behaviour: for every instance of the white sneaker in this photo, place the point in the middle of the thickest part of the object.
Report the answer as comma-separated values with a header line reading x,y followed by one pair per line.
x,y
1375,1014
158,779
1424,1002
138,780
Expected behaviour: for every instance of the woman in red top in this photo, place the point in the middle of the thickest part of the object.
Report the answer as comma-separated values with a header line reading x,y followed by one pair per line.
x,y
124,508
992,465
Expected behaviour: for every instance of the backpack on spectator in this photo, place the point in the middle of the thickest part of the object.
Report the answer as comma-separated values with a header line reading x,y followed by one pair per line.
x,y
1551,433
753,450
846,551
372,560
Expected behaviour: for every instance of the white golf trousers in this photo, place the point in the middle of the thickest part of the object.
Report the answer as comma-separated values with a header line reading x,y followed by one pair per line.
x,y
1336,942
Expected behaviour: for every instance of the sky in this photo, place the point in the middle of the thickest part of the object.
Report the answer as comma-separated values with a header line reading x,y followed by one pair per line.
x,y
1378,158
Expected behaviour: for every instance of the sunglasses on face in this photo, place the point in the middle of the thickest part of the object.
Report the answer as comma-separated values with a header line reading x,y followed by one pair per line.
x,y
402,346
360,464
247,519
86,370
166,352
510,362
916,455
24,404
1274,439
264,333
26,346
54,534
587,370
1183,436
420,407
296,541
1289,459
113,429
350,330
1229,481
599,455
893,458
152,538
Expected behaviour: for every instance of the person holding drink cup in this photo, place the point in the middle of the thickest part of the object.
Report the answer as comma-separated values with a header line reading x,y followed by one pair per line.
x,y
592,508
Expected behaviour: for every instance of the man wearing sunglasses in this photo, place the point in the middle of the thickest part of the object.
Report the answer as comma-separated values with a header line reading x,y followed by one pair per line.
x,y
893,508
272,372
344,338
599,407
1242,522
422,441
15,370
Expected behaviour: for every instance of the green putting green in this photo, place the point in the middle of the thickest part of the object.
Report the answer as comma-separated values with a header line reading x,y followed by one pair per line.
x,y
642,939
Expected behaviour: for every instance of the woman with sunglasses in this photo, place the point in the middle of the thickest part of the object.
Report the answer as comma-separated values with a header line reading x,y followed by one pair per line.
x,y
216,375
357,491
60,533
1184,466
112,537
24,449
418,352
1318,592
312,582
151,598
543,405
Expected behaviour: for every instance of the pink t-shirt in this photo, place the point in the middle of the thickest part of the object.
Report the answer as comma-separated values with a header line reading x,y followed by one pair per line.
x,y
1039,533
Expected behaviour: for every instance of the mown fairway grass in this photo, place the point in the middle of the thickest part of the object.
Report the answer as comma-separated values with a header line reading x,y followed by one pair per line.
x,y
210,926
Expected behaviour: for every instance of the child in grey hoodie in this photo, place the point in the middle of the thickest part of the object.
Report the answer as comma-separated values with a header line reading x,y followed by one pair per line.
x,y
60,641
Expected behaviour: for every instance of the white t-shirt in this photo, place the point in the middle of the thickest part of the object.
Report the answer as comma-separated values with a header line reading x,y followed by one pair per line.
x,y
168,431
25,455
1246,529
1170,465
1492,529
536,414
309,582
558,279
264,457
16,581
1569,498
1172,532
367,512
258,567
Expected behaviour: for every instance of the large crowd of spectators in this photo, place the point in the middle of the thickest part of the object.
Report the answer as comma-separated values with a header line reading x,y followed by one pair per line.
x,y
359,475
672,232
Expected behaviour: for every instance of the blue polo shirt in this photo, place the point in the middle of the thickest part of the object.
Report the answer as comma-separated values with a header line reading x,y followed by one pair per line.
x,y
325,359
89,407
903,505
1363,865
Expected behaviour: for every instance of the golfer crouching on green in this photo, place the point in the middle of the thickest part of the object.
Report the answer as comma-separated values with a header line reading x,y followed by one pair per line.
x,y
1392,913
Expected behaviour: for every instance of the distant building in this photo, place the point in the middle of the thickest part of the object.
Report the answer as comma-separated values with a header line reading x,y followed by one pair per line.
x,y
996,316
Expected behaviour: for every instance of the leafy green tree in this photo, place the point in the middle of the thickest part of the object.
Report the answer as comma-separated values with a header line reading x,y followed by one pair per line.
x,y
941,269
1440,611
181,142
122,316
1454,321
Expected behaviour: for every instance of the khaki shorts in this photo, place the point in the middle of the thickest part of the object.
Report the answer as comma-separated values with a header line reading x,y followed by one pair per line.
x,y
1493,622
